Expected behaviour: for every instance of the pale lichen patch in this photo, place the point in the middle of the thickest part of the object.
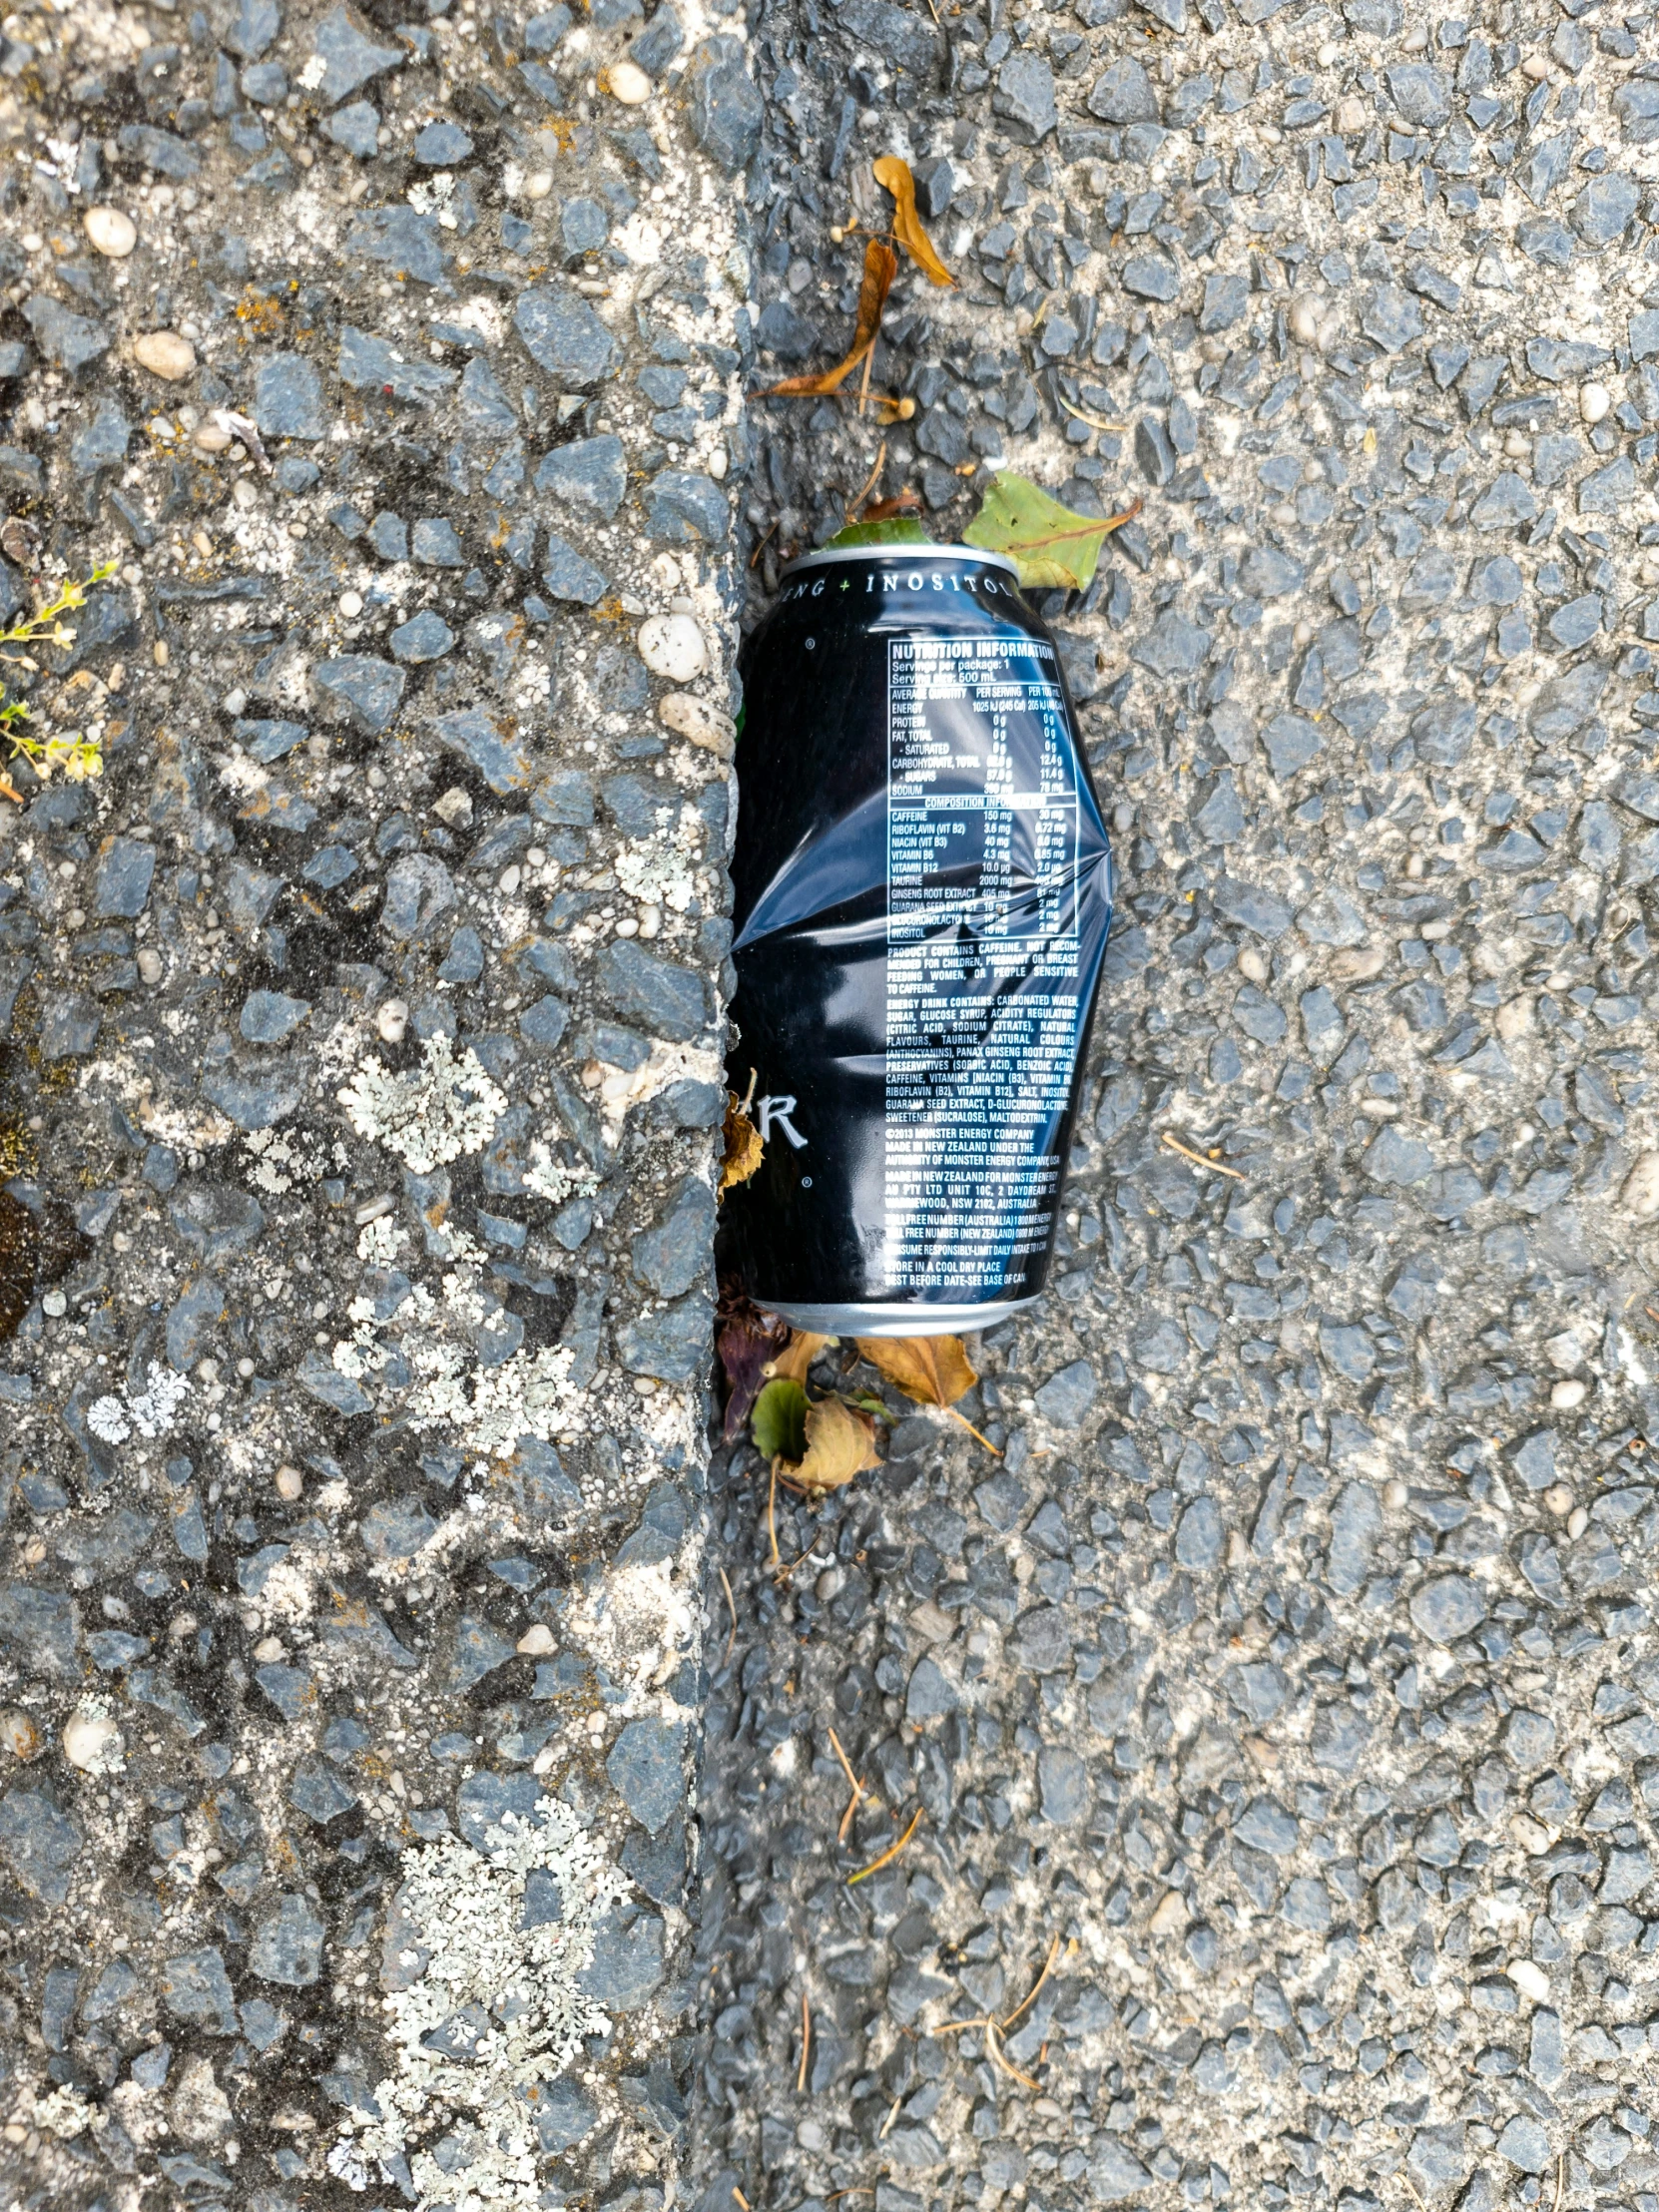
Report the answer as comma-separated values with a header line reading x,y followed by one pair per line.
x,y
432,1115
480,2009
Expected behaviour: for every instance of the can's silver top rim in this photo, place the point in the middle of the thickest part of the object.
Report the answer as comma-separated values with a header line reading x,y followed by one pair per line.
x,y
906,555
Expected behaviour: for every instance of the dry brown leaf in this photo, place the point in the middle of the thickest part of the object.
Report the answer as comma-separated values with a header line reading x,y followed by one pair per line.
x,y
798,1355
896,176
933,1371
881,268
840,1444
743,1146
883,510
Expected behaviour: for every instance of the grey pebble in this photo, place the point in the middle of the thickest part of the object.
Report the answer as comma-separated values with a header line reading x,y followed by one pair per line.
x,y
627,1963
441,146
288,1944
195,1988
364,690
352,58
590,474
355,128
673,1255
271,1017
645,1766
425,637
486,741
1447,1606
726,107
564,336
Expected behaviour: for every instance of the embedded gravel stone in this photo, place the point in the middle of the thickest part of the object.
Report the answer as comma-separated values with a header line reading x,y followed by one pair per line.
x,y
646,1765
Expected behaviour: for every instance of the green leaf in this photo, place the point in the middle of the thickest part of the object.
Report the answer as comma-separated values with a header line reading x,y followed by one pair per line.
x,y
779,1422
896,530
1052,545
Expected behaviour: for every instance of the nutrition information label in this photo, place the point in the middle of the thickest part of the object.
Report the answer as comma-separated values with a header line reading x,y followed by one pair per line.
x,y
983,1006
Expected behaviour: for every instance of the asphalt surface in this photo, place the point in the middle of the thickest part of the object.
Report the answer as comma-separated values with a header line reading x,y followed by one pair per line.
x,y
1287,1685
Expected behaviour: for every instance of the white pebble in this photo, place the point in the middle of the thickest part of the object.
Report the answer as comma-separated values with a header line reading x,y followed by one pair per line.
x,y
1358,963
538,184
1577,1521
1305,321
350,604
290,1483
150,965
1253,964
55,1303
1573,1392
1594,401
210,438
165,354
111,233
394,1019
1530,1980
1641,1187
627,82
704,725
671,646
1169,1914
537,1642
91,1742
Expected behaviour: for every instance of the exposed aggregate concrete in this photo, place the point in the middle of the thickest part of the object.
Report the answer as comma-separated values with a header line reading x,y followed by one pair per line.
x,y
359,1044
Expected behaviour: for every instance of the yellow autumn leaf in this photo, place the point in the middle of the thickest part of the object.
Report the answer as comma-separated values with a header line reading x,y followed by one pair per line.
x,y
840,1444
743,1146
934,1371
895,175
798,1355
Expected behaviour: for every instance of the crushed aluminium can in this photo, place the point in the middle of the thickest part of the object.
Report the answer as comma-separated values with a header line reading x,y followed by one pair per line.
x,y
923,892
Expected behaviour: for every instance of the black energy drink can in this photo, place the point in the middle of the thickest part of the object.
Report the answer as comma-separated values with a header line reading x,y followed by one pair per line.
x,y
923,892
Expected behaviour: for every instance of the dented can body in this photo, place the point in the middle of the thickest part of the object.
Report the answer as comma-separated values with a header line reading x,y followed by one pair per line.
x,y
923,892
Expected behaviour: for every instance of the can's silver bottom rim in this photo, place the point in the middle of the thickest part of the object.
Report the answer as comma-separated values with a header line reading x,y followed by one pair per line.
x,y
896,1321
